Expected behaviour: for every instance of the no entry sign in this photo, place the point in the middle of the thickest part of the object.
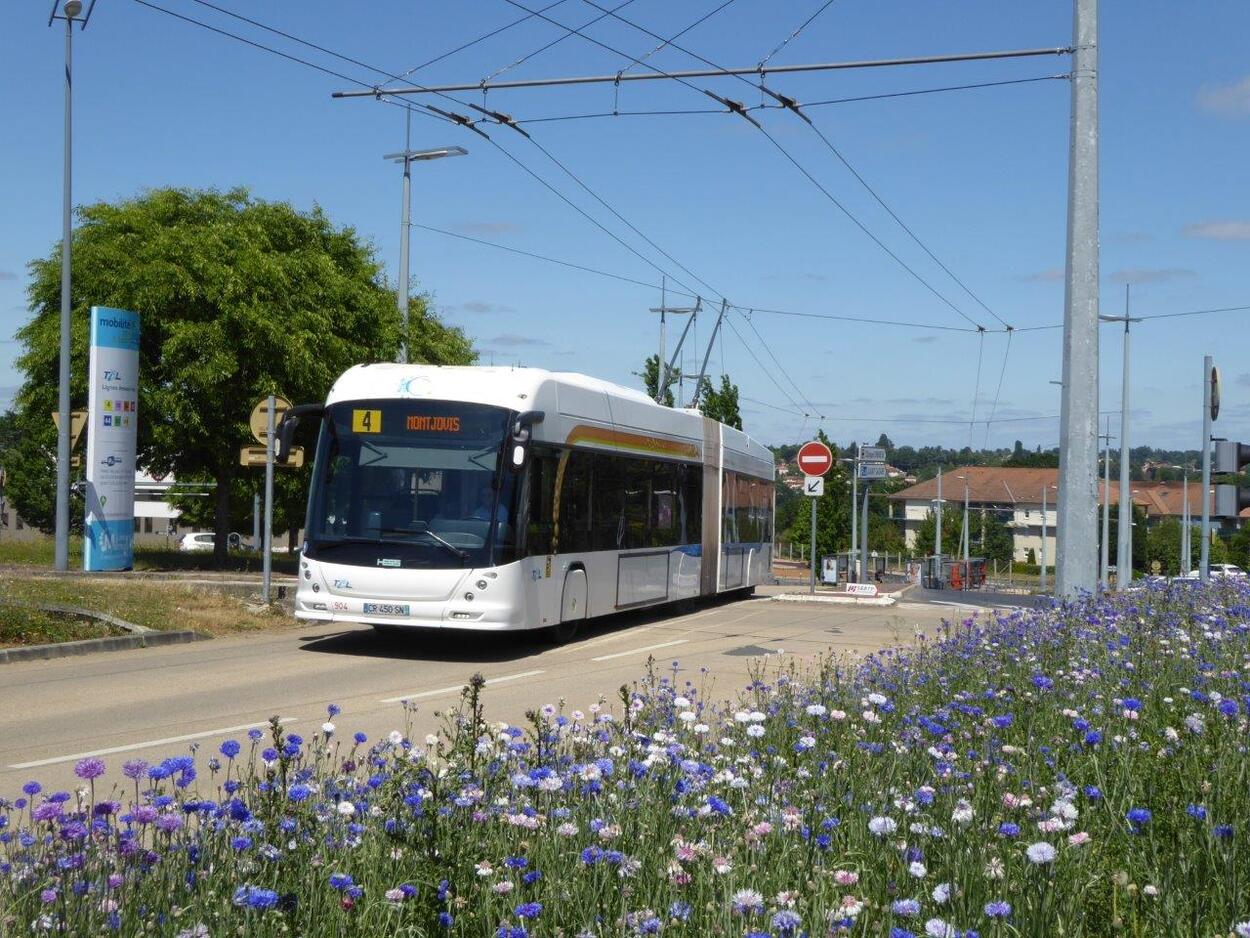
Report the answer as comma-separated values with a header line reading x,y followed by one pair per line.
x,y
815,459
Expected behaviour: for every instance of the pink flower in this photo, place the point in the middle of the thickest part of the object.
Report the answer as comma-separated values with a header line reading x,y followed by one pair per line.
x,y
1080,837
845,877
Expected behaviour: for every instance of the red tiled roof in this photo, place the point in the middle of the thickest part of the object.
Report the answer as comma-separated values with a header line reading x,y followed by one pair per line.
x,y
1002,485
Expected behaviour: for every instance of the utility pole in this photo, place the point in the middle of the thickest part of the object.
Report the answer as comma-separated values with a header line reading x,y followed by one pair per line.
x,y
863,540
1204,548
1123,552
852,560
1078,433
1044,551
1185,554
1104,572
937,536
967,533
724,305
70,11
408,157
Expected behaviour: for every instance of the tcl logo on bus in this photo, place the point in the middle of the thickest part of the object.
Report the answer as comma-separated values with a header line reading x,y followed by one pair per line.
x,y
434,424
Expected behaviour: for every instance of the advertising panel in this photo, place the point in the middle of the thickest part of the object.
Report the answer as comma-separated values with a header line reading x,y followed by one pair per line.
x,y
113,408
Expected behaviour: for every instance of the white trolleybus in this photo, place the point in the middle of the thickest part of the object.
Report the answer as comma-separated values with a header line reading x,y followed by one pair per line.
x,y
516,498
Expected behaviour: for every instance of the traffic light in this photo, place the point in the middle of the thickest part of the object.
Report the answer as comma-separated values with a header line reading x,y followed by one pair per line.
x,y
1228,459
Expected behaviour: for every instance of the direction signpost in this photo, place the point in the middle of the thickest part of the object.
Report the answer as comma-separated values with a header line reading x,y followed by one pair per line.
x,y
869,465
266,416
814,460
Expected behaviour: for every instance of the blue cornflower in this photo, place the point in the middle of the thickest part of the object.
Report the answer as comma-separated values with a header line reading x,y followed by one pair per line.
x,y
1228,707
719,806
901,933
532,877
999,908
340,880
680,911
1223,831
32,788
516,863
1004,721
1138,816
230,748
1042,682
254,735
255,897
360,739
298,792
1132,703
1008,829
1093,738
1197,812
905,907
334,710
445,919
511,931
240,843
1092,792
528,910
786,921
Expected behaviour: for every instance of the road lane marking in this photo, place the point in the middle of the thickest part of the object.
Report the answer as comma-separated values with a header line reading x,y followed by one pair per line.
x,y
144,745
456,688
635,651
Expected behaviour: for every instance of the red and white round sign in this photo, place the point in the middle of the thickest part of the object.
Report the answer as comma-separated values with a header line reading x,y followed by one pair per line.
x,y
814,458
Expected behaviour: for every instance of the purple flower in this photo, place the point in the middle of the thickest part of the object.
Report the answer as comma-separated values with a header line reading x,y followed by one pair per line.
x,y
89,768
528,910
134,769
32,788
169,823
786,921
49,810
997,909
905,908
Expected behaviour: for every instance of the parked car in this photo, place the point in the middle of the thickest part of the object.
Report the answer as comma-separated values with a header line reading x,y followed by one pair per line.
x,y
1222,569
197,540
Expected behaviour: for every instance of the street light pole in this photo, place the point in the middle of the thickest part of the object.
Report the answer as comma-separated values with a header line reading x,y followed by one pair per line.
x,y
1044,558
1123,556
61,554
967,534
408,157
1104,573
1185,555
1204,546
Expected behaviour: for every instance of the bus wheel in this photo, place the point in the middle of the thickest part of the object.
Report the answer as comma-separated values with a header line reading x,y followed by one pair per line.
x,y
563,633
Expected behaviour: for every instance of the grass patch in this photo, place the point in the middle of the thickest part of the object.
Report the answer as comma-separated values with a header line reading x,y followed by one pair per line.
x,y
19,626
41,553
157,605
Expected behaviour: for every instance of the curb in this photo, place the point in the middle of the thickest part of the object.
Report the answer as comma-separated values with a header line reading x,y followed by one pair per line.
x,y
88,614
148,639
834,599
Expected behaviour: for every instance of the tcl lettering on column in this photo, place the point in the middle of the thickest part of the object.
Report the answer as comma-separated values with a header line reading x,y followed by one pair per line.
x,y
113,408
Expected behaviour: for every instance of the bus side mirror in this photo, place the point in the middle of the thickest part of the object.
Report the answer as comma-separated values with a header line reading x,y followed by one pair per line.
x,y
286,429
522,430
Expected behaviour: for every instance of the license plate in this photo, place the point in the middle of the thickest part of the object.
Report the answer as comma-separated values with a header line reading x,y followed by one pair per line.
x,y
386,609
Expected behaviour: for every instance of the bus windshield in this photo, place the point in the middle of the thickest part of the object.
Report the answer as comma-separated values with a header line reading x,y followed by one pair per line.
x,y
411,484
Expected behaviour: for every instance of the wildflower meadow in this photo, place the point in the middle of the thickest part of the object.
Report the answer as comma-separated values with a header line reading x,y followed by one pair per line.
x,y
1080,770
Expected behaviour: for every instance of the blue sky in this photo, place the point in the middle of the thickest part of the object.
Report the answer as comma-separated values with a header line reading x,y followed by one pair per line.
x,y
979,175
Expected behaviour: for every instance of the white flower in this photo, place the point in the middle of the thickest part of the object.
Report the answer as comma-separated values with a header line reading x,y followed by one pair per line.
x,y
963,813
395,738
681,703
941,893
1242,929
882,826
701,728
917,869
502,888
937,928
327,728
877,699
816,710
1041,852
994,869
687,716
567,829
346,808
431,740
755,730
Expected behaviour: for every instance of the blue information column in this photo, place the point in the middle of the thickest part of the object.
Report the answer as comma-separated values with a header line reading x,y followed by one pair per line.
x,y
113,412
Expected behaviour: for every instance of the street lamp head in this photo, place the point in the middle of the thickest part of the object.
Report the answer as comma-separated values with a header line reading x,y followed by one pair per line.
x,y
72,8
413,156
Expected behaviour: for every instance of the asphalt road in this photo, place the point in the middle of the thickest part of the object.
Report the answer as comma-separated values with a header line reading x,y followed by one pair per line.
x,y
153,703
978,599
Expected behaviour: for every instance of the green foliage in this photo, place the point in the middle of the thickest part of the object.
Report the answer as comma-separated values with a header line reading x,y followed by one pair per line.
x,y
651,380
952,532
1031,558
996,541
1163,545
720,404
1140,538
28,457
238,298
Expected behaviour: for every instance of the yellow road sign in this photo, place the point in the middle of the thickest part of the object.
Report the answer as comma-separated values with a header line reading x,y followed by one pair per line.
x,y
255,456
77,420
260,418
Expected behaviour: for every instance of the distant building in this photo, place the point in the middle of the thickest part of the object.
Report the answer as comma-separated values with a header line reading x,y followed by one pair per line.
x,y
1014,495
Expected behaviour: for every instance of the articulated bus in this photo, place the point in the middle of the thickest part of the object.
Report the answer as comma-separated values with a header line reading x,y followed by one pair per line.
x,y
518,498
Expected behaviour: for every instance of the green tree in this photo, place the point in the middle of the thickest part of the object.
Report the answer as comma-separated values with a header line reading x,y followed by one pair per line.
x,y
1140,538
651,379
238,298
996,540
952,532
720,404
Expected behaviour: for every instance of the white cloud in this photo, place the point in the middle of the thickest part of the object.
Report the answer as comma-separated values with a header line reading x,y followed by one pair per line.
x,y
1229,229
1231,99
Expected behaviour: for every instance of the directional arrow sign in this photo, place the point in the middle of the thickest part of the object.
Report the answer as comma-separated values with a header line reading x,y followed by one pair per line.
x,y
814,486
815,458
872,454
